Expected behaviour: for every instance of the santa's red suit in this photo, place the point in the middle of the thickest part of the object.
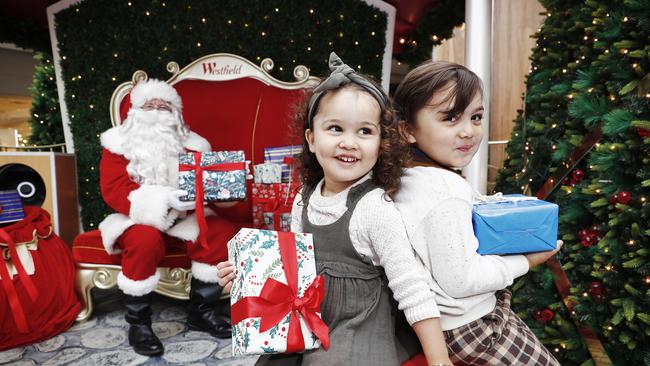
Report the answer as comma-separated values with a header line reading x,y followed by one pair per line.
x,y
139,180
144,221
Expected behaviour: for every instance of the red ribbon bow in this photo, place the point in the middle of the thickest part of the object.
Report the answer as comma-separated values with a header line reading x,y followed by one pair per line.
x,y
277,300
8,284
198,184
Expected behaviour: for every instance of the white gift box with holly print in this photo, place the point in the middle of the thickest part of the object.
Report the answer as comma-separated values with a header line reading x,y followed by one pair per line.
x,y
256,257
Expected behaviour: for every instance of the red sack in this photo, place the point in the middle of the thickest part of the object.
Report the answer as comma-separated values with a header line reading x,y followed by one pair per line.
x,y
36,306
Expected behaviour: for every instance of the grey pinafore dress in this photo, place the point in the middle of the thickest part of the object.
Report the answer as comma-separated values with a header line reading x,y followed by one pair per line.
x,y
358,307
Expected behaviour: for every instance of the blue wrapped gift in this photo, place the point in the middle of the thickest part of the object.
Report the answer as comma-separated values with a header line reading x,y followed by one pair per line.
x,y
223,175
282,155
11,207
515,223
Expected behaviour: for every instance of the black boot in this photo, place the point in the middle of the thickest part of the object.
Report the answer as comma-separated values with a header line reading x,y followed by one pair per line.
x,y
202,313
141,336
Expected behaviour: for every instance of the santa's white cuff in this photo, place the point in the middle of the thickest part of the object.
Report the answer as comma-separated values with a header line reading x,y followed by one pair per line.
x,y
205,272
150,206
188,228
111,228
137,287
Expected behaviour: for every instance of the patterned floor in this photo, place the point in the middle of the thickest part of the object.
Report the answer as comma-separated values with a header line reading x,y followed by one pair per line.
x,y
103,340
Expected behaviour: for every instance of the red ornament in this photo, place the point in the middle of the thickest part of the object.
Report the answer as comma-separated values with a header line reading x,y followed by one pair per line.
x,y
582,233
588,241
624,197
595,228
543,316
568,181
578,175
547,315
613,198
597,291
642,132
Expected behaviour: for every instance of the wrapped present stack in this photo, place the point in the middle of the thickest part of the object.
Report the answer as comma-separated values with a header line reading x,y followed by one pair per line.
x,y
275,188
276,295
512,224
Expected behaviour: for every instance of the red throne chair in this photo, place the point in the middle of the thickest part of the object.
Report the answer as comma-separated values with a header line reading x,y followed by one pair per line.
x,y
233,103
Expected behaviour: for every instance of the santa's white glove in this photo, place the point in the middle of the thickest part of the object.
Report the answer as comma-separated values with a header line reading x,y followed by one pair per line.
x,y
176,203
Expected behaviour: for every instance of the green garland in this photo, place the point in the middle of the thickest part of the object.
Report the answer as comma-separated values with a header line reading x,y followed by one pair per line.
x,y
436,26
102,42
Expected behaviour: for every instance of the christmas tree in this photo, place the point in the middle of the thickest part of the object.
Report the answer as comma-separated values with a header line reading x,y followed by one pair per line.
x,y
588,95
47,128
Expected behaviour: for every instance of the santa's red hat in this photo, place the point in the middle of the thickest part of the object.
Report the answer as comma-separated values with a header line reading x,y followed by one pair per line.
x,y
154,89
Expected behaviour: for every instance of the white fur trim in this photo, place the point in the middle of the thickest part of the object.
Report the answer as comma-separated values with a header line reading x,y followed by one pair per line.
x,y
195,142
149,206
154,89
111,228
112,141
135,287
188,228
205,272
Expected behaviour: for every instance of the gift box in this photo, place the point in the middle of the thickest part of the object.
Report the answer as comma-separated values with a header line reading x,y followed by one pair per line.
x,y
515,223
272,198
267,173
283,156
275,297
11,207
277,221
223,175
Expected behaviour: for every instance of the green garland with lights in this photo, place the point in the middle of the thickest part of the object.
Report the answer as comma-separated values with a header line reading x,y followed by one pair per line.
x,y
435,26
590,71
102,42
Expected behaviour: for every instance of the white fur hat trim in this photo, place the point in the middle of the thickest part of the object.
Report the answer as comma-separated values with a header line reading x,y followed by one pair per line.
x,y
154,89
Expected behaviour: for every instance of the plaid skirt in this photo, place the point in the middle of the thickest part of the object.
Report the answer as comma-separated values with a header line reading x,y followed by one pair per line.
x,y
498,338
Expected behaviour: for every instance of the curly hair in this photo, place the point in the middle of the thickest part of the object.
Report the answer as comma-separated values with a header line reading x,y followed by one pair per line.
x,y
393,148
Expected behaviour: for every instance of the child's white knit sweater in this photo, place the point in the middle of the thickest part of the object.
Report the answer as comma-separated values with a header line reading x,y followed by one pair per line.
x,y
377,232
436,207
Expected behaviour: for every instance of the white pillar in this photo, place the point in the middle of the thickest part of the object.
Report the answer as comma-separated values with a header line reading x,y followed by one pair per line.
x,y
478,54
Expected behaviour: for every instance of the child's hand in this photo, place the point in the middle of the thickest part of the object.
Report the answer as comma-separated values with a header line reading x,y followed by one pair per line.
x,y
535,259
225,274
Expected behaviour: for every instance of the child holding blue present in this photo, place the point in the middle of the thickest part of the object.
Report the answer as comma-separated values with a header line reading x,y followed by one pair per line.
x,y
350,165
440,106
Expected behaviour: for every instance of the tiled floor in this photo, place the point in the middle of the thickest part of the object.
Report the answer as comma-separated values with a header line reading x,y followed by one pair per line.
x,y
103,340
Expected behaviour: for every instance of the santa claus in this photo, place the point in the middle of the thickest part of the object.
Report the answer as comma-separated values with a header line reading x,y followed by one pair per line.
x,y
139,180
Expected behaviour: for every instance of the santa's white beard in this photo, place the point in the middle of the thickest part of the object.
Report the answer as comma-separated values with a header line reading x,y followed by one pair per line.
x,y
151,140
